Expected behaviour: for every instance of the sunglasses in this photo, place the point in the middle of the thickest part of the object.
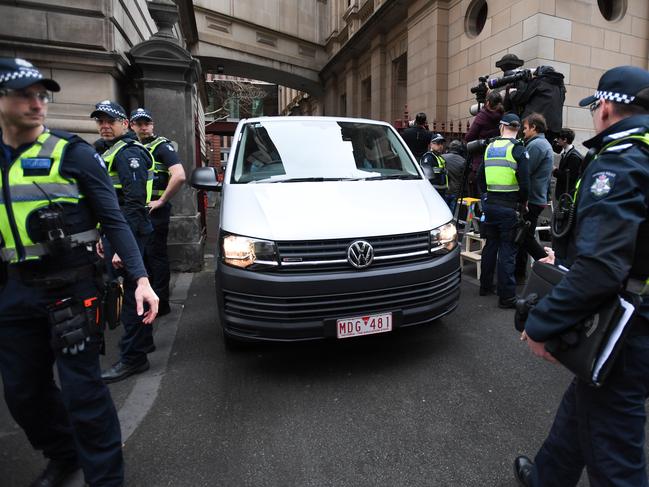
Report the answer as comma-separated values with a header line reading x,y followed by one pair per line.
x,y
594,106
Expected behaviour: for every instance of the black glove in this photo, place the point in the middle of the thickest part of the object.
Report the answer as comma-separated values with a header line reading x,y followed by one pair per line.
x,y
523,308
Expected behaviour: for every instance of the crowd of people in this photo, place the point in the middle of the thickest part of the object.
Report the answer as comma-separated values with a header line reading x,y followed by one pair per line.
x,y
603,244
77,218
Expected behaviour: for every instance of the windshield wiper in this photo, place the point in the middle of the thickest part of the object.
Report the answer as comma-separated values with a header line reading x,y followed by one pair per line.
x,y
304,180
393,176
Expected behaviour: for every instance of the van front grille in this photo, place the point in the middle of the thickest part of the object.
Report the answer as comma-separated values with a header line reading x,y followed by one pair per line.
x,y
331,255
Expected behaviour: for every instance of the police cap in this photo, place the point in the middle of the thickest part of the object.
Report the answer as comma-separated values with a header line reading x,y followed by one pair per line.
x,y
437,139
511,120
141,113
109,108
17,74
624,84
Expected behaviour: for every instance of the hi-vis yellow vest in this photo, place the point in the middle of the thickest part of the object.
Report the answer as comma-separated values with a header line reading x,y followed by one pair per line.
x,y
160,170
109,158
500,167
32,182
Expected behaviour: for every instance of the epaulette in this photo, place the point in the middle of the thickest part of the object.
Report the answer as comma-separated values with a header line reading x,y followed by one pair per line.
x,y
70,137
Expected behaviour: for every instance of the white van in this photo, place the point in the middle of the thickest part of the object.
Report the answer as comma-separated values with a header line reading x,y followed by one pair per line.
x,y
328,228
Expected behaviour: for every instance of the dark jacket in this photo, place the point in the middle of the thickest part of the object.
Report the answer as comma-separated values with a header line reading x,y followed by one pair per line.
x,y
455,171
131,164
544,94
417,139
606,241
568,172
484,126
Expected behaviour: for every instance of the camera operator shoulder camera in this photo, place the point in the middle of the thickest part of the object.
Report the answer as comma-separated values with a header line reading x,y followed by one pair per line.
x,y
526,90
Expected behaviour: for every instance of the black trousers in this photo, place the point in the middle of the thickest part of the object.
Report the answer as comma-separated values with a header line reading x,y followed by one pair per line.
x,y
156,257
79,419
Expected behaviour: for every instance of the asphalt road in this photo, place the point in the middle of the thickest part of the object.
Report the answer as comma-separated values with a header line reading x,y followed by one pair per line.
x,y
445,405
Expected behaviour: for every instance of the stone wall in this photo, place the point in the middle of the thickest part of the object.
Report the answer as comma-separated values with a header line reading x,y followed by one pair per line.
x,y
81,44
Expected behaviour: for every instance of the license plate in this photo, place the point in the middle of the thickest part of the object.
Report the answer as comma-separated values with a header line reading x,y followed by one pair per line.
x,y
364,325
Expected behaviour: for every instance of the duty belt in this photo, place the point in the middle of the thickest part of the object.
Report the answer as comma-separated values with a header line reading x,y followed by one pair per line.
x,y
39,249
65,277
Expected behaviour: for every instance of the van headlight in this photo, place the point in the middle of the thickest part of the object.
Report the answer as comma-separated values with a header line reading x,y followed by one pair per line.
x,y
245,252
443,239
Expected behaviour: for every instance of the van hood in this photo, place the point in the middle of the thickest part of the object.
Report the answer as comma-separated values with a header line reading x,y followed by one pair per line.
x,y
329,210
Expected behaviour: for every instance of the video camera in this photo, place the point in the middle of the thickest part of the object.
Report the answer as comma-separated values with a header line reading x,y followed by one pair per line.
x,y
485,84
478,146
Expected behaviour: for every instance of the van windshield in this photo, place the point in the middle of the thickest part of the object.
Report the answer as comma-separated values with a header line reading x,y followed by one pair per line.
x,y
273,151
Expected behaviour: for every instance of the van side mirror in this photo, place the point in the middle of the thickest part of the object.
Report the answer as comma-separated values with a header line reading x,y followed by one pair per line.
x,y
205,178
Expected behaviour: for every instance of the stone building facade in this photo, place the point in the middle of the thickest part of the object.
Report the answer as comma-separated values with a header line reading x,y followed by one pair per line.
x,y
133,52
386,54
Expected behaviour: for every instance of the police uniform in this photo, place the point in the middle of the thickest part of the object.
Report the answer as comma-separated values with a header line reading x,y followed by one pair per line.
x,y
503,182
57,174
434,166
156,257
130,168
607,249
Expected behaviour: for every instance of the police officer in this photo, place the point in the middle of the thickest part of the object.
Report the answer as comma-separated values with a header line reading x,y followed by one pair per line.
x,y
54,190
417,138
435,166
503,181
130,167
169,176
602,428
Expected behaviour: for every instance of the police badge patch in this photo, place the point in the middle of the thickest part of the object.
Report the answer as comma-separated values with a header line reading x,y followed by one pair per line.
x,y
603,182
134,162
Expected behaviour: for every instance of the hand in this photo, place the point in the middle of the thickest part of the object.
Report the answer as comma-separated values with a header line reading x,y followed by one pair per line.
x,y
117,262
154,205
144,293
538,348
100,249
549,259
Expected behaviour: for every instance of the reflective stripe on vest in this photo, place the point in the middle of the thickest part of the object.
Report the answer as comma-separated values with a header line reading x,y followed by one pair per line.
x,y
109,157
441,164
500,167
29,193
161,172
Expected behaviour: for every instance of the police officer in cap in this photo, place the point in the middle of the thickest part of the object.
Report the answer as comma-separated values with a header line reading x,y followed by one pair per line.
x,y
435,166
606,249
417,138
504,184
130,168
54,191
169,176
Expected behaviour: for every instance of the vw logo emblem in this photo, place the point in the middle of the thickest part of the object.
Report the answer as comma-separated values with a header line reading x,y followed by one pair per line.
x,y
360,254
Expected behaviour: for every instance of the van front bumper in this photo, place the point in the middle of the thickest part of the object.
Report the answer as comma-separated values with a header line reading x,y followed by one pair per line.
x,y
258,306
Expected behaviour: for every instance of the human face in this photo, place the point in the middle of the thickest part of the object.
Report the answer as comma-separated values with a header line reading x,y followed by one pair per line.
x,y
143,128
110,128
24,109
436,147
529,131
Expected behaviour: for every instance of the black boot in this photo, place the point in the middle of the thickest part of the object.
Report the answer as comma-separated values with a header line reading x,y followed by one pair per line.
x,y
523,467
56,472
121,371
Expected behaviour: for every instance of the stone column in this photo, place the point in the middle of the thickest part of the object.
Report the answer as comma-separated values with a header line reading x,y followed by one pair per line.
x,y
166,77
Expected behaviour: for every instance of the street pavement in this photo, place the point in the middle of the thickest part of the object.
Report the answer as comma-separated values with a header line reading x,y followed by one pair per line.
x,y
450,404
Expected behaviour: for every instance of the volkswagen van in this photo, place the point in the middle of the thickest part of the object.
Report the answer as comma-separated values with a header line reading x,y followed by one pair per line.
x,y
328,229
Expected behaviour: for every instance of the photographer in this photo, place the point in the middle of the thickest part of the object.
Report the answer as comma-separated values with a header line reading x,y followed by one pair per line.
x,y
539,91
504,183
484,126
